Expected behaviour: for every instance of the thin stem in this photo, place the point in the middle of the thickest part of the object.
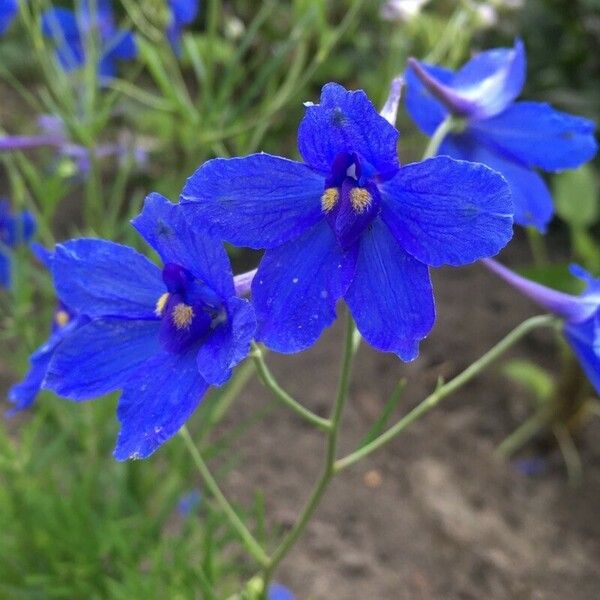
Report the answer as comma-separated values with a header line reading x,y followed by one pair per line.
x,y
445,390
438,137
271,383
253,547
328,469
537,246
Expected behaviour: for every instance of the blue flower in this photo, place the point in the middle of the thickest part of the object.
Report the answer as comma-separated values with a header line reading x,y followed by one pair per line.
x,y
183,12
64,322
350,223
581,314
15,230
71,32
279,592
514,138
8,10
161,335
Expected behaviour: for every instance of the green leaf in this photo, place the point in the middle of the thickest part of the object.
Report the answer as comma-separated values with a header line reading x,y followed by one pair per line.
x,y
576,196
382,421
537,380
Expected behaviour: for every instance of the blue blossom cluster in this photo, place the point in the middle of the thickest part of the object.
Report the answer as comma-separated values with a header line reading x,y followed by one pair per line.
x,y
15,230
349,222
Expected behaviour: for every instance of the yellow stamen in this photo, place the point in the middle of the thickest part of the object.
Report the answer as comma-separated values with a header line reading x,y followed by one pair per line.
x,y
329,199
61,318
182,315
360,199
160,304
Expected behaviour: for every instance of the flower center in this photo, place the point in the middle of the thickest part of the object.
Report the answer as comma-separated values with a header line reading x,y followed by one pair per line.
x,y
189,310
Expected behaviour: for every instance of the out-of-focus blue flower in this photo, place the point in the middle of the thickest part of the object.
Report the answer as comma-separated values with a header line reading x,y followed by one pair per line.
x,y
183,12
54,134
279,592
73,31
581,314
188,502
64,322
161,335
350,223
15,230
514,138
8,10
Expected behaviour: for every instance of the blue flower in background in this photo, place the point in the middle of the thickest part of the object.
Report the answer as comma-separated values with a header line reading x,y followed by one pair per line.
x,y
15,230
189,502
350,223
514,138
71,31
8,11
183,12
64,322
161,335
279,592
581,314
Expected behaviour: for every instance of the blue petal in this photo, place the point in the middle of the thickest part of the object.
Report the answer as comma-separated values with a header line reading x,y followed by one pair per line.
x,y
296,289
184,11
424,108
259,201
23,394
531,199
592,284
444,211
5,267
537,135
279,592
165,227
60,24
100,357
100,278
582,338
484,87
492,79
229,343
390,297
347,122
157,402
8,10
122,46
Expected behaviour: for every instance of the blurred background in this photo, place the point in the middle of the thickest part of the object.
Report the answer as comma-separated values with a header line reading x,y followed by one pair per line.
x,y
434,515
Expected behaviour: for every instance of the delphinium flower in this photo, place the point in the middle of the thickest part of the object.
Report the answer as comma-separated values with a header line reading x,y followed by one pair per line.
x,y
279,592
581,314
350,223
8,10
162,336
54,134
72,31
183,12
514,138
15,230
64,321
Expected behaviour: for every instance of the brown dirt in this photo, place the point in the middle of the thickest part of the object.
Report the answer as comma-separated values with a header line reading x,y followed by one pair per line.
x,y
434,515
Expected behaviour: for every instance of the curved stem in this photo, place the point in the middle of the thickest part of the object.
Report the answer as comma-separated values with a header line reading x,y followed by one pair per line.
x,y
445,390
270,382
249,541
328,469
438,137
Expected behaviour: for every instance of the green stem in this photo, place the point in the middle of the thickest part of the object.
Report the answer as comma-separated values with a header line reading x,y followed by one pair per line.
x,y
445,390
438,137
537,244
328,469
253,547
271,383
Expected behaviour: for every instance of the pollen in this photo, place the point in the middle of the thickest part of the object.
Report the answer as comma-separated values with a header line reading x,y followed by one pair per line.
x,y
61,318
329,199
160,304
360,199
182,316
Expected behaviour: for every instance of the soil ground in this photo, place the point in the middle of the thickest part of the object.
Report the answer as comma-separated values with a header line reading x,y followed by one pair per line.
x,y
434,515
